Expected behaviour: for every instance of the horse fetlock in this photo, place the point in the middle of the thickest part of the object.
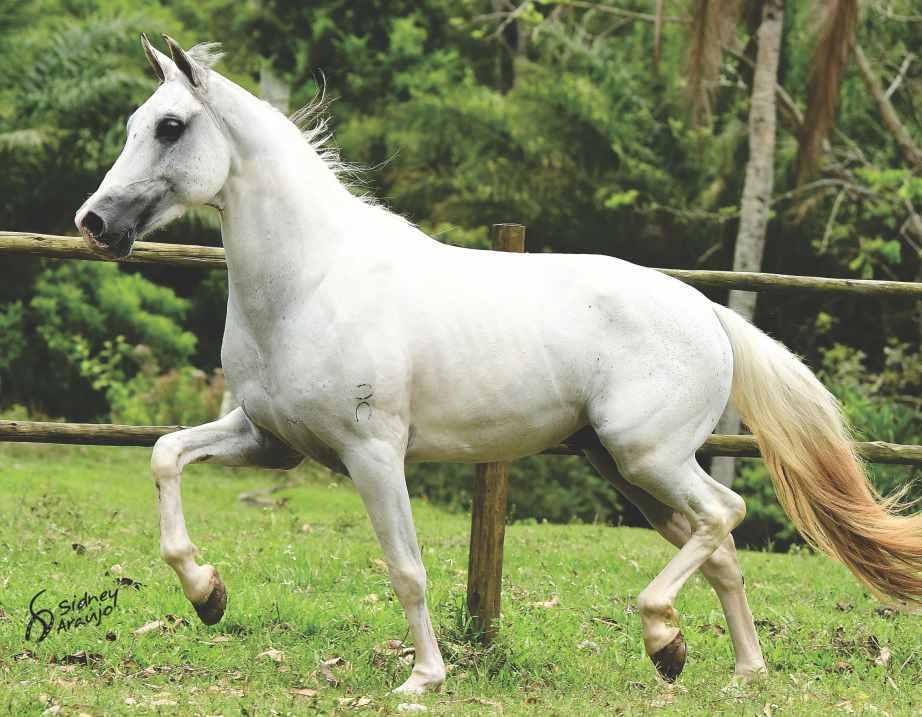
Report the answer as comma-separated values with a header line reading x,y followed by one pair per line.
x,y
654,607
422,680
176,554
659,619
747,671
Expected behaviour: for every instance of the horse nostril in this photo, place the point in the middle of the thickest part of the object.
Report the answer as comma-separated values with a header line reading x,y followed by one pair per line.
x,y
93,224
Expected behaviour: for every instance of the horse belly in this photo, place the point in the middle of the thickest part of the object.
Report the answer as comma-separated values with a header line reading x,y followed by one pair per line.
x,y
481,395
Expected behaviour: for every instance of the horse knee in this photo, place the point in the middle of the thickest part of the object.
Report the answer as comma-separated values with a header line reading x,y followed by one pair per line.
x,y
409,581
164,459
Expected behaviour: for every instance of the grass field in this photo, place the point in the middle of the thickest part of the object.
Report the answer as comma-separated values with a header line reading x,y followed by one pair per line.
x,y
310,611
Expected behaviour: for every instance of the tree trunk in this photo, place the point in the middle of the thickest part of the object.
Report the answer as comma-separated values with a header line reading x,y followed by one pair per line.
x,y
757,190
911,152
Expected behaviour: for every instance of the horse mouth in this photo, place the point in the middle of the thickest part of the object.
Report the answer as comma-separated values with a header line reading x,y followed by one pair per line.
x,y
119,248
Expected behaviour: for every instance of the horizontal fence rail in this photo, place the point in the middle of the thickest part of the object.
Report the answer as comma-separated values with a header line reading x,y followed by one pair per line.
x,y
207,257
145,252
110,434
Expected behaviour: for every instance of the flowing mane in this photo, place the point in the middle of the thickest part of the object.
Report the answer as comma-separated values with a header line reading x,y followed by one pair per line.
x,y
313,120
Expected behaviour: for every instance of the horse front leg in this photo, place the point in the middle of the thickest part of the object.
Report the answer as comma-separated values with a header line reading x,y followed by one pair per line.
x,y
232,440
377,471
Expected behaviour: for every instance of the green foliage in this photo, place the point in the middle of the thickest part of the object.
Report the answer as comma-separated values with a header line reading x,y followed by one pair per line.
x,y
545,489
78,309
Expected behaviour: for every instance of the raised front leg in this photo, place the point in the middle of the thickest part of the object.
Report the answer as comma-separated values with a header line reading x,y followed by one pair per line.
x,y
377,471
233,441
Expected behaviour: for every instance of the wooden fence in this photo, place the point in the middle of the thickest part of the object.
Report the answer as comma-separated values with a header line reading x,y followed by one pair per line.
x,y
209,257
491,480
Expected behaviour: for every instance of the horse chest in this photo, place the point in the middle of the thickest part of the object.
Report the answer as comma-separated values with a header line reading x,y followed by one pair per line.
x,y
282,391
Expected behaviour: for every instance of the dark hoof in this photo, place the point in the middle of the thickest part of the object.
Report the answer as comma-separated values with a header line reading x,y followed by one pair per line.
x,y
212,610
671,659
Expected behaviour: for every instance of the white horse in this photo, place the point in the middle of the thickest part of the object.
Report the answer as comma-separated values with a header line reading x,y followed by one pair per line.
x,y
354,339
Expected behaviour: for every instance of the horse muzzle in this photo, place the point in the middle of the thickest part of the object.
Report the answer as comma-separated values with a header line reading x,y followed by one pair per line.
x,y
103,239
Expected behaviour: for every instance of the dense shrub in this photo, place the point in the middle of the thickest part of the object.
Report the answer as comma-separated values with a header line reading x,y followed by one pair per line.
x,y
53,348
560,489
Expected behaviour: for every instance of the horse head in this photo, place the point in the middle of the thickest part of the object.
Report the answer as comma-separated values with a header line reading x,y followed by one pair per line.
x,y
176,155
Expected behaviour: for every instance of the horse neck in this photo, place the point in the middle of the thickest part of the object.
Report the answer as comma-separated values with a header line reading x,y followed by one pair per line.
x,y
284,213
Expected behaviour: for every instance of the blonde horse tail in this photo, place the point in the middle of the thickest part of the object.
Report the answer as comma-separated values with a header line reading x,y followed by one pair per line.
x,y
819,480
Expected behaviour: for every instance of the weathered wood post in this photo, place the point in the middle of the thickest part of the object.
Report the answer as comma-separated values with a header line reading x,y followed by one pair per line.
x,y
488,512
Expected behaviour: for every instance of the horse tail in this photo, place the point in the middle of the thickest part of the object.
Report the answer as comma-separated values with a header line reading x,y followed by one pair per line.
x,y
820,482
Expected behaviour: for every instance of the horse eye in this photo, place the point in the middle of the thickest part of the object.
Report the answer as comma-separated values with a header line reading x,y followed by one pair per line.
x,y
169,129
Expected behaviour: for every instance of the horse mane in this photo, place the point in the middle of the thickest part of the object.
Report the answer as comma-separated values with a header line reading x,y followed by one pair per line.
x,y
313,121
207,54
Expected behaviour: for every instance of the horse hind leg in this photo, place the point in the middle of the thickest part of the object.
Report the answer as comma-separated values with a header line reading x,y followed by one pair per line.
x,y
721,570
657,466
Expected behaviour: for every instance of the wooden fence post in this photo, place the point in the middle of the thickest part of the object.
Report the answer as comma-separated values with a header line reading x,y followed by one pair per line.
x,y
488,512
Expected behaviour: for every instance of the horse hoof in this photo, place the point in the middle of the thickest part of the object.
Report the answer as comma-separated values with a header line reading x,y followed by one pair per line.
x,y
212,610
671,659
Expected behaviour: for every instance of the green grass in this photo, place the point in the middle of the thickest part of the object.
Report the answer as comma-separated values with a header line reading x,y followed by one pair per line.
x,y
319,594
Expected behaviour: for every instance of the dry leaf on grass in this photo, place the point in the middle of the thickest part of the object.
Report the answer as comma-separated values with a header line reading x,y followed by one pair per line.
x,y
124,582
327,673
77,658
393,649
710,627
260,498
548,604
304,692
149,627
355,702
272,654
883,657
162,626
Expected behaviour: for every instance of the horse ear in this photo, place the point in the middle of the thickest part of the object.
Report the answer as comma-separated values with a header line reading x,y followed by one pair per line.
x,y
153,57
186,65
